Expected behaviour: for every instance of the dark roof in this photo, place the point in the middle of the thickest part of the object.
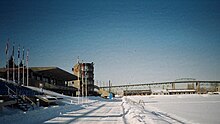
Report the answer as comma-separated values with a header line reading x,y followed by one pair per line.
x,y
54,72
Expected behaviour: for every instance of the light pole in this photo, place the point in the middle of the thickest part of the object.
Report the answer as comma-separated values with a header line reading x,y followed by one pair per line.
x,y
78,80
82,81
86,81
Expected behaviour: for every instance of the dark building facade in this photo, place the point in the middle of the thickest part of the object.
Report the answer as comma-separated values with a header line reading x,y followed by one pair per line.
x,y
85,81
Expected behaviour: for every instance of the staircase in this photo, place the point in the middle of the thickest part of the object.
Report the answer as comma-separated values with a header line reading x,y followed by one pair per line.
x,y
22,105
23,102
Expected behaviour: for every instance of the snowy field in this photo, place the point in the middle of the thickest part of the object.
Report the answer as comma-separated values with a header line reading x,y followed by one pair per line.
x,y
202,109
175,109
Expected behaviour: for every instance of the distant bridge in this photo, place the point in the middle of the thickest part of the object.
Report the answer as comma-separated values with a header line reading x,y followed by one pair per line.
x,y
163,85
159,83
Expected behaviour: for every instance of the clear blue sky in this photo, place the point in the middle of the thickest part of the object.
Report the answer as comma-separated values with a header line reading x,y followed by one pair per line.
x,y
129,41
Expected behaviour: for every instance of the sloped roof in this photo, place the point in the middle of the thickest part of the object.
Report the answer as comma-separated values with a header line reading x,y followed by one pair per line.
x,y
54,72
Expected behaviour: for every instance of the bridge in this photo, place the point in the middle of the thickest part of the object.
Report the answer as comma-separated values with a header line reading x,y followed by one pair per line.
x,y
171,85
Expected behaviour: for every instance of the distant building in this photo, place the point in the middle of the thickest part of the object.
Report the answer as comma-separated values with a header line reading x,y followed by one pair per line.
x,y
137,92
85,74
181,91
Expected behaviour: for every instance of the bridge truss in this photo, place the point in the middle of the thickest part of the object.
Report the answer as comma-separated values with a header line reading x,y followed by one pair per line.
x,y
159,85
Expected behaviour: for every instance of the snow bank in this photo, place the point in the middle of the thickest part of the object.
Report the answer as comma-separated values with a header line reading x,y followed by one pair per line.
x,y
134,112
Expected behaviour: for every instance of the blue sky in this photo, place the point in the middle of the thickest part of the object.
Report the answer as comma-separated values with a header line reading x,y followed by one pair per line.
x,y
129,41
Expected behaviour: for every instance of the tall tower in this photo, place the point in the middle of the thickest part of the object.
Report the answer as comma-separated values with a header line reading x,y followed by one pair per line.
x,y
85,73
77,83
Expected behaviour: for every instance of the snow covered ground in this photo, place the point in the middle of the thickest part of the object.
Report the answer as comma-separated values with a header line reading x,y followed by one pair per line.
x,y
105,112
203,109
69,110
174,109
96,110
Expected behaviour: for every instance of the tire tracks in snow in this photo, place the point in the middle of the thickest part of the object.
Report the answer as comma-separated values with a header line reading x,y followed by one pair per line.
x,y
151,116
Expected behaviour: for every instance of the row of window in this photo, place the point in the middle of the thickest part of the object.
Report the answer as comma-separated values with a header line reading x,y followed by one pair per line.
x,y
42,78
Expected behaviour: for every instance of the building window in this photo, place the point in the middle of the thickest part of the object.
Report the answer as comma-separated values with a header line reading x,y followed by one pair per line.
x,y
38,78
51,81
45,79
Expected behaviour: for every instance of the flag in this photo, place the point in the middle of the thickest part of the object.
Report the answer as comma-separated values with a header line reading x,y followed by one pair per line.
x,y
18,51
27,55
6,48
13,50
82,70
23,55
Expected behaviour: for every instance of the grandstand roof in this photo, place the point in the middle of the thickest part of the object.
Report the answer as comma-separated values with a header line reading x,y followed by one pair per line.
x,y
49,71
55,72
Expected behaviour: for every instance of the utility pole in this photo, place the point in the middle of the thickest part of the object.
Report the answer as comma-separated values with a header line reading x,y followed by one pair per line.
x,y
109,86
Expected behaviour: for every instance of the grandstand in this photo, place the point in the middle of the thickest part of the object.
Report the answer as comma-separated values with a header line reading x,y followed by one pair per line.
x,y
16,96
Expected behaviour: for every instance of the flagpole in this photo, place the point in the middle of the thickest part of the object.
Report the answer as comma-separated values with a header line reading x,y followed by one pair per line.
x,y
6,58
86,84
27,68
23,66
13,62
82,82
78,78
18,65
8,68
86,81
7,62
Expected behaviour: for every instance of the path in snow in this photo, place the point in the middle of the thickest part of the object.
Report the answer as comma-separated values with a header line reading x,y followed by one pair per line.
x,y
105,112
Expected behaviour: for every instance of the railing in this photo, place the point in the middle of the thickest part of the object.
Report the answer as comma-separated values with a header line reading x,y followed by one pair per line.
x,y
9,89
27,98
24,98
